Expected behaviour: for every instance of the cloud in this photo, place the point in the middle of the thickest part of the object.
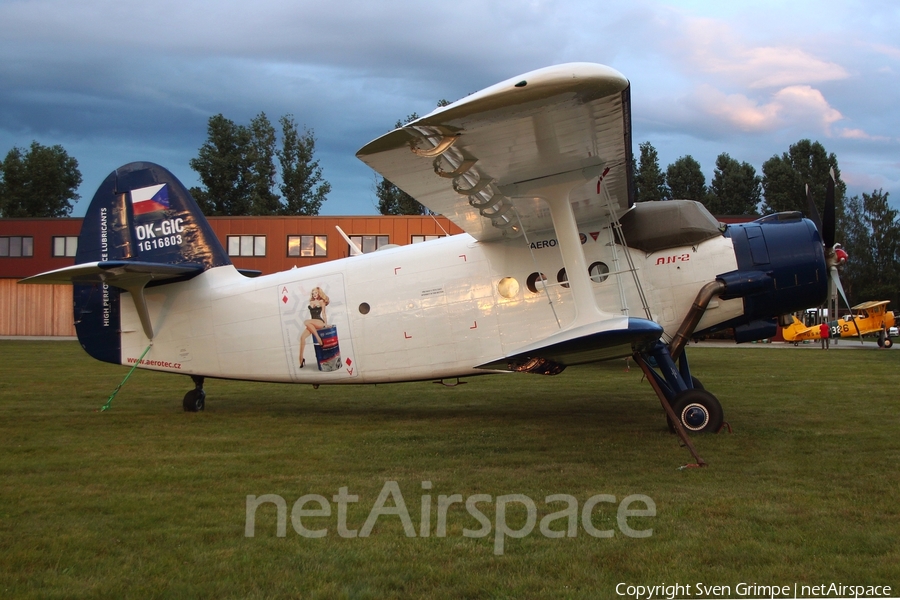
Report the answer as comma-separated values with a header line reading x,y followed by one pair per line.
x,y
887,50
713,47
805,105
793,107
859,134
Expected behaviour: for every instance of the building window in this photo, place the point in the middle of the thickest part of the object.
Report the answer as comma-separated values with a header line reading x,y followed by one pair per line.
x,y
246,245
307,245
370,243
15,246
65,245
425,238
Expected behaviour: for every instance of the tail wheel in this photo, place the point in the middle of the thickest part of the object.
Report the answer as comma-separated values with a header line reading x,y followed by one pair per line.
x,y
699,411
194,401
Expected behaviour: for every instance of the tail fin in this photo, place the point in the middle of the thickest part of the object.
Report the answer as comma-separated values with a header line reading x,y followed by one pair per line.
x,y
142,212
141,226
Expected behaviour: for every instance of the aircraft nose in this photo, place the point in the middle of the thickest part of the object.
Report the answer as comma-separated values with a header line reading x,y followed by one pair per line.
x,y
788,250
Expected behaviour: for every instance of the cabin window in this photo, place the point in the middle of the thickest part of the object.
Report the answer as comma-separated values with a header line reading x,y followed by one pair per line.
x,y
246,245
65,245
15,246
598,271
369,243
536,282
307,245
424,238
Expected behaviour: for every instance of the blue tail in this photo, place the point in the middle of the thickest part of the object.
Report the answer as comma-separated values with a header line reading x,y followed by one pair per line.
x,y
141,217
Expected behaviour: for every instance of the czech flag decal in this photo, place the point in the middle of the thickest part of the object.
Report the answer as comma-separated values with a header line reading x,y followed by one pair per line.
x,y
150,199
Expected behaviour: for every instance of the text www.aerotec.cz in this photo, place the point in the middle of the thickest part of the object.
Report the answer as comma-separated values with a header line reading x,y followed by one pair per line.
x,y
154,363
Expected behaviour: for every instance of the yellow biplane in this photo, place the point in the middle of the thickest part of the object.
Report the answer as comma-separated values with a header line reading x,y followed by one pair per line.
x,y
868,318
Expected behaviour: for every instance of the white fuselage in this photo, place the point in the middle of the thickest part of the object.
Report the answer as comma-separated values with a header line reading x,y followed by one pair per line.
x,y
429,310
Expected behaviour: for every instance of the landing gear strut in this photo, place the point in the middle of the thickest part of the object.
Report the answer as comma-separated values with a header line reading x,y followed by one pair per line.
x,y
688,406
195,400
694,408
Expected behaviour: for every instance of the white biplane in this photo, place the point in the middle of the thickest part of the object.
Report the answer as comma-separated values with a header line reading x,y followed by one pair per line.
x,y
557,266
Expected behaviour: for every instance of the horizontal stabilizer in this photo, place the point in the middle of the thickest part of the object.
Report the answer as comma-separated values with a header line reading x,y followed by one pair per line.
x,y
131,276
124,274
603,340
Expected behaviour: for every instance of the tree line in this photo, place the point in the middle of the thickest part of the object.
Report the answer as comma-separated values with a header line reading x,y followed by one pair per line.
x,y
238,175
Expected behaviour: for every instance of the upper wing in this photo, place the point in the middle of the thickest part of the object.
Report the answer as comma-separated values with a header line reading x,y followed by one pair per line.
x,y
870,305
472,161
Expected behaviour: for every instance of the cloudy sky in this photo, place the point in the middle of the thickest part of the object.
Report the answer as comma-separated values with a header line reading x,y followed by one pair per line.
x,y
114,81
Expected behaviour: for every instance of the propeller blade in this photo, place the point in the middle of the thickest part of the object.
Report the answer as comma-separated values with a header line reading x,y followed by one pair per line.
x,y
813,211
828,223
836,280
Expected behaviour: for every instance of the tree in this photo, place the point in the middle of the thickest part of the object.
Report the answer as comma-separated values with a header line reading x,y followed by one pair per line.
x,y
41,182
735,188
236,166
649,181
261,154
785,179
685,179
394,201
223,166
302,184
872,241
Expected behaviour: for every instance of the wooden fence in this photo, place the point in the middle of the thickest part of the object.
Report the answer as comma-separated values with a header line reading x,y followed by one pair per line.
x,y
44,310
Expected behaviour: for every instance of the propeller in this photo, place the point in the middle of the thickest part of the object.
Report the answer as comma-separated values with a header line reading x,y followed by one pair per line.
x,y
835,256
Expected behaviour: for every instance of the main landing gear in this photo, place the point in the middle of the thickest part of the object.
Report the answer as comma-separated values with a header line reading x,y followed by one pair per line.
x,y
688,406
682,395
195,400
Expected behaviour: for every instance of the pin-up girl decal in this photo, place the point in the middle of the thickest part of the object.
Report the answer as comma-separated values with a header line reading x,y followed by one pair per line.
x,y
317,320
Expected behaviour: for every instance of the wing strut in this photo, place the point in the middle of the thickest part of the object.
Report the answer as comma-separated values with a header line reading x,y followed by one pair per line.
x,y
555,189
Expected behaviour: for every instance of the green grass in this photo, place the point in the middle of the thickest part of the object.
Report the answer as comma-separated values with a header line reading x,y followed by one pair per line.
x,y
147,501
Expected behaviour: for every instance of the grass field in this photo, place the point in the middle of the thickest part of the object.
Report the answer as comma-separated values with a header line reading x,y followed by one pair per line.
x,y
147,501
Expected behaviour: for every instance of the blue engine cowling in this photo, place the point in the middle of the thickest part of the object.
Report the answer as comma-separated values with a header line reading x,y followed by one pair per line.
x,y
781,269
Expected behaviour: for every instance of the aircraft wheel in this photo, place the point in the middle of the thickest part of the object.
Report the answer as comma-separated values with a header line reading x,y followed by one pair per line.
x,y
194,401
888,342
796,344
699,411
696,383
